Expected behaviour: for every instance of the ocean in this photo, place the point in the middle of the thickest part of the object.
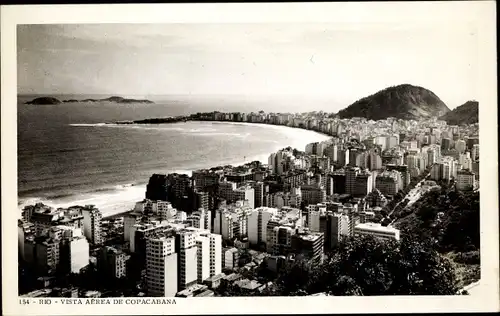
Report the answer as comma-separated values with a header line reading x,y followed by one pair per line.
x,y
67,156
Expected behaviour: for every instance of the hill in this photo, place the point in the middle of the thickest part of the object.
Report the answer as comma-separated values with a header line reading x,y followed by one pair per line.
x,y
467,113
403,102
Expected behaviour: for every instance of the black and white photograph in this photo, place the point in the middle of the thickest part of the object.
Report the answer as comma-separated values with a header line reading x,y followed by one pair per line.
x,y
161,161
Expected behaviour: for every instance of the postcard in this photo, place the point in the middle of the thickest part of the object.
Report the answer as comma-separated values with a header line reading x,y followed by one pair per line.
x,y
249,158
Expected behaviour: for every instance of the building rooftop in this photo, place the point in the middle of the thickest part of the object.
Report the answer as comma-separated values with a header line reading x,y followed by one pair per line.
x,y
216,277
308,236
248,284
234,249
192,289
376,227
231,277
466,172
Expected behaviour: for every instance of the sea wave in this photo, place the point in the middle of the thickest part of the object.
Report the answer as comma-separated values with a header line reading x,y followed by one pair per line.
x,y
89,124
110,200
240,135
207,132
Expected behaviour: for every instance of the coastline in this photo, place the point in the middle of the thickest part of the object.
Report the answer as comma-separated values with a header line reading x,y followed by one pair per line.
x,y
184,119
122,199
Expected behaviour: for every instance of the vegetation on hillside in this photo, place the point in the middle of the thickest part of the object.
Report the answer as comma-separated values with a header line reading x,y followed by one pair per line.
x,y
467,113
449,220
447,217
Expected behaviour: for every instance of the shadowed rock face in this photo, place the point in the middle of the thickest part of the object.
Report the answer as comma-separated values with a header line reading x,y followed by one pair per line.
x,y
44,100
467,113
402,102
114,99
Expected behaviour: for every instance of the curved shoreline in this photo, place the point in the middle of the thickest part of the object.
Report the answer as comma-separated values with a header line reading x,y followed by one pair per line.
x,y
119,201
185,119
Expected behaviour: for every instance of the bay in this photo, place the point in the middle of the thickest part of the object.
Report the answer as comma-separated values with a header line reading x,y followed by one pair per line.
x,y
67,156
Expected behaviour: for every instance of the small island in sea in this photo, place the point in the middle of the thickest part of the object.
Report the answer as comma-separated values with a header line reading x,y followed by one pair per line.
x,y
113,99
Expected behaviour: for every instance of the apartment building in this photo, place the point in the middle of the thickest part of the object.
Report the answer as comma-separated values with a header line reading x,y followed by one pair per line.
x,y
466,180
161,266
112,262
257,224
92,224
309,244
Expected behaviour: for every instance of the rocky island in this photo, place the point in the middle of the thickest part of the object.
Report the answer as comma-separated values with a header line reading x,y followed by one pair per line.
x,y
44,100
113,99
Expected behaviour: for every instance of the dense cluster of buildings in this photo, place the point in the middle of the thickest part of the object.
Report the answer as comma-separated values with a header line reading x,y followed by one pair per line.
x,y
192,233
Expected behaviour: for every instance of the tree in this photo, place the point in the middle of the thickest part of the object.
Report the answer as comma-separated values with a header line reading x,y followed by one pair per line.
x,y
296,276
365,266
391,268
421,270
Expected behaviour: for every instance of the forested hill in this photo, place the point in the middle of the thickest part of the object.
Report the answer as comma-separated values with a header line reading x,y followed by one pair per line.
x,y
467,113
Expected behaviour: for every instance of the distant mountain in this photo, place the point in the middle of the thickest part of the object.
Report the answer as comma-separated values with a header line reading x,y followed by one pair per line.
x,y
114,99
467,113
44,100
403,102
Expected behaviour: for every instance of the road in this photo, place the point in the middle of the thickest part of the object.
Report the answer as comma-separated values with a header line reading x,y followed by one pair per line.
x,y
412,196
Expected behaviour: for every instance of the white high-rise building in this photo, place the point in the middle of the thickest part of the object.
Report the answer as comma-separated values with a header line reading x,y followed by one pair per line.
x,y
231,258
161,266
129,221
215,254
460,146
392,141
188,259
74,249
465,161
314,212
200,219
92,224
381,141
203,256
78,253
257,224
431,156
412,161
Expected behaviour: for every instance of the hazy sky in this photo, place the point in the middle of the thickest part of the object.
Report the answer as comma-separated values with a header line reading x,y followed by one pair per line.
x,y
338,61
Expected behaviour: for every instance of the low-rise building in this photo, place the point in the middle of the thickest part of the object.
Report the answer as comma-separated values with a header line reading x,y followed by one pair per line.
x,y
377,230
